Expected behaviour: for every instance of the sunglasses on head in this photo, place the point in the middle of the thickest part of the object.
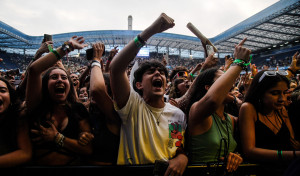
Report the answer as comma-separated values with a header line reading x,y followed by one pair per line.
x,y
272,73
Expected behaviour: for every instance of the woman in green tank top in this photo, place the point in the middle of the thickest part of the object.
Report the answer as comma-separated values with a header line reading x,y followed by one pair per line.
x,y
210,128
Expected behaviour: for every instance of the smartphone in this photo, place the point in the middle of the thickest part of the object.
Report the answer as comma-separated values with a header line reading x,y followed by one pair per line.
x,y
89,53
47,37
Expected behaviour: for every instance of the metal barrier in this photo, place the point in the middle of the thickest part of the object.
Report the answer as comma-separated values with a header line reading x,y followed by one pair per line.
x,y
122,170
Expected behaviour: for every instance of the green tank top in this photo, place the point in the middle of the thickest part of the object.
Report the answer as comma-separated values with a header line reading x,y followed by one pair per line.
x,y
207,147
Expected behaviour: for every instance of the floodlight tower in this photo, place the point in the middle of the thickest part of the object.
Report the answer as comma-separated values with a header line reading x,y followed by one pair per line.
x,y
129,22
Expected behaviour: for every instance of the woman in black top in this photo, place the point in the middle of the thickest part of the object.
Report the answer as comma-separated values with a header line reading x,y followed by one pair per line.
x,y
266,132
15,146
57,119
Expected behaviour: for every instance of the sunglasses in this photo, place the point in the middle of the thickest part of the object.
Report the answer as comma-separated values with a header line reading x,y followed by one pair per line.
x,y
181,74
272,73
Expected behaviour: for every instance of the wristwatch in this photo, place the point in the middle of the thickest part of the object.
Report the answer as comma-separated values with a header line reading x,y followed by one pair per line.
x,y
67,47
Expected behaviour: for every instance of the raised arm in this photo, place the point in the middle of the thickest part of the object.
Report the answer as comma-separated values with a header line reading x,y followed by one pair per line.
x,y
99,93
119,80
216,94
43,49
35,70
295,66
209,62
84,75
112,54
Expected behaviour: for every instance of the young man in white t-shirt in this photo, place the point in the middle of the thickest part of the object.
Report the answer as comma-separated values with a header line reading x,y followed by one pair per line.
x,y
151,129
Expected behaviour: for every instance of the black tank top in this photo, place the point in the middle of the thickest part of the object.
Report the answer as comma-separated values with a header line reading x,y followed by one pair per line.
x,y
267,139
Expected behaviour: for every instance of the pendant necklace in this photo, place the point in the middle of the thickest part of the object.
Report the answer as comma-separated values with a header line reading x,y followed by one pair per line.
x,y
157,118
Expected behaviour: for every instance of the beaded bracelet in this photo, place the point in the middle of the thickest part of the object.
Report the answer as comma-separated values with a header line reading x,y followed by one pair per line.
x,y
59,139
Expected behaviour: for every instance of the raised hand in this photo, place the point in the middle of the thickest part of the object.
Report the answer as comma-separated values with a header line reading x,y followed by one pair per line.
x,y
295,60
113,52
210,62
77,42
44,47
253,69
228,62
162,23
98,51
241,52
198,66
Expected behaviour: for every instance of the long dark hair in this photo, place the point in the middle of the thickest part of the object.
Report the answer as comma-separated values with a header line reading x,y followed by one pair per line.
x,y
47,104
258,89
11,115
198,88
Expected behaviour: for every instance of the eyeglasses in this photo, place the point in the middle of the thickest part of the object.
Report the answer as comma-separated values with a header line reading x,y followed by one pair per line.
x,y
272,73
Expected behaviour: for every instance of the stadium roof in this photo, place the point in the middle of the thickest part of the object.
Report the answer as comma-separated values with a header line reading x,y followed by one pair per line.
x,y
279,24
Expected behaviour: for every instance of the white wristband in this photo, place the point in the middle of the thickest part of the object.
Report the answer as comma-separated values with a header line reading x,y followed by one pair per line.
x,y
95,64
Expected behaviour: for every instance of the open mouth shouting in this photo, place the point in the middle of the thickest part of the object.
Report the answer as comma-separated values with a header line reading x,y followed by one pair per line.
x,y
60,90
187,86
157,84
1,103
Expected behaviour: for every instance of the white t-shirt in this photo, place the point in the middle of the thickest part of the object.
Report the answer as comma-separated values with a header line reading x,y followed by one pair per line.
x,y
142,140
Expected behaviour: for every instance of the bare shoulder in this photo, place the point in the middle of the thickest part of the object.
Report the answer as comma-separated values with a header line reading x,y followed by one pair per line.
x,y
247,105
247,110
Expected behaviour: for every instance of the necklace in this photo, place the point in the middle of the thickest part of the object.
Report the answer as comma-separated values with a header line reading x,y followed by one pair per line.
x,y
276,119
157,118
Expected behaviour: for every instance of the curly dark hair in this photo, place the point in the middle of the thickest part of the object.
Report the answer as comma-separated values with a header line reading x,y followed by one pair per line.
x,y
143,67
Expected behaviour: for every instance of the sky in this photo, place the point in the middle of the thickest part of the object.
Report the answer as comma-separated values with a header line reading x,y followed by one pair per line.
x,y
211,17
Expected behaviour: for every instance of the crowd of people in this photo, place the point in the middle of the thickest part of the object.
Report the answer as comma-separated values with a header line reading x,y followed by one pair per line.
x,y
122,110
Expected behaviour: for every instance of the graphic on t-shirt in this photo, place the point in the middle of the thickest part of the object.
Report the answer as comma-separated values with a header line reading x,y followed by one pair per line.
x,y
175,133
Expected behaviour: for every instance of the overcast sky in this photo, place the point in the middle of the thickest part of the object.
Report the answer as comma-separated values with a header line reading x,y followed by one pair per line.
x,y
211,17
